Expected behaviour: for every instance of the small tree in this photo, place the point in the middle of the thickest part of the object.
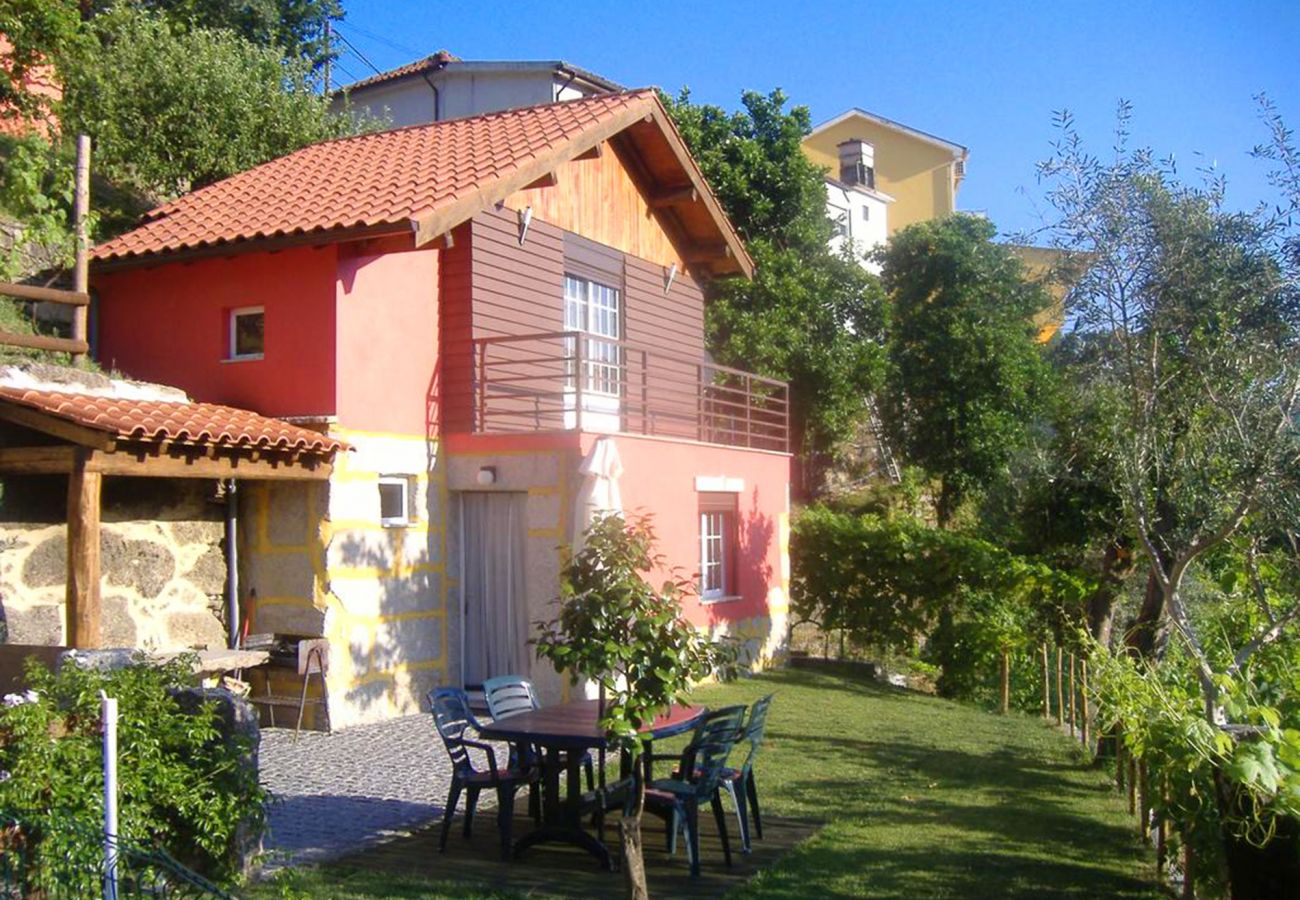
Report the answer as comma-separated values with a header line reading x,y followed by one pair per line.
x,y
964,370
618,631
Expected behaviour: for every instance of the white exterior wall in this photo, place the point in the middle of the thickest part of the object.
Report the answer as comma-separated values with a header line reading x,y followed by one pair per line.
x,y
865,218
410,101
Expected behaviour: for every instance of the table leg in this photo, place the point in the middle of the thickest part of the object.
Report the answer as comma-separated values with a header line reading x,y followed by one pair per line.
x,y
562,817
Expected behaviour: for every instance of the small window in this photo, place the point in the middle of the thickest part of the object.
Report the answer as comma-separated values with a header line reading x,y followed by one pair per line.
x,y
717,545
246,332
866,213
394,500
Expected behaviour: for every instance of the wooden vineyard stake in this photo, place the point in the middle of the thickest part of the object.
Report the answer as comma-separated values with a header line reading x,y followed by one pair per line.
x,y
1047,687
1060,687
1006,682
1072,692
1083,698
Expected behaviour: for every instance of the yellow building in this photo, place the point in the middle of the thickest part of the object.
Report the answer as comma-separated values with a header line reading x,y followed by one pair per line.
x,y
921,172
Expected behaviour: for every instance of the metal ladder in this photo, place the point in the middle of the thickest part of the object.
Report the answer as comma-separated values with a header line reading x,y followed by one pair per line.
x,y
886,455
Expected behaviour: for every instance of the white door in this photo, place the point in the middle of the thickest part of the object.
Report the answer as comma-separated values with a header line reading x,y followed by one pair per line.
x,y
494,606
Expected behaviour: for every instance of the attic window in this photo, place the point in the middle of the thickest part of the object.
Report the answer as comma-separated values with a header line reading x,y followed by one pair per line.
x,y
247,335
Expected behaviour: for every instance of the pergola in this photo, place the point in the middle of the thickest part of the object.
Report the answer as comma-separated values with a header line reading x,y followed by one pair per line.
x,y
87,436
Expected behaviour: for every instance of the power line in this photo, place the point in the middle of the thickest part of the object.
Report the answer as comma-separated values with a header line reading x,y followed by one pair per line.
x,y
379,38
357,53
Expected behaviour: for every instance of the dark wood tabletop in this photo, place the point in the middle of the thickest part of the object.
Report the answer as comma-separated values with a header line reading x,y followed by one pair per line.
x,y
576,725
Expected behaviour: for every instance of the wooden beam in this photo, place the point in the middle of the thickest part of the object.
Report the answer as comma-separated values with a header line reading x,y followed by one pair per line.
x,y
703,253
81,211
546,181
142,463
83,602
44,294
673,197
37,460
53,425
43,342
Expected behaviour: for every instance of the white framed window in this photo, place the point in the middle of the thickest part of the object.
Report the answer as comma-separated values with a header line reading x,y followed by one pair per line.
x,y
395,501
717,546
247,332
595,309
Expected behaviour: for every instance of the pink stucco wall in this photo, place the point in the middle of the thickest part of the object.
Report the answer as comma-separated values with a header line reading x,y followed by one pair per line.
x,y
659,478
387,307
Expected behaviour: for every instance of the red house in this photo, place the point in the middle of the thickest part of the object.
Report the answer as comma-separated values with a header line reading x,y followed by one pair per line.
x,y
503,316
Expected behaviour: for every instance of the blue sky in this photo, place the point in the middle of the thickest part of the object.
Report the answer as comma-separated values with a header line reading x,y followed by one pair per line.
x,y
987,75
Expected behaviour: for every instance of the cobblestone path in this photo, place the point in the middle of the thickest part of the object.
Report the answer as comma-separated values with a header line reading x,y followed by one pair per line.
x,y
334,793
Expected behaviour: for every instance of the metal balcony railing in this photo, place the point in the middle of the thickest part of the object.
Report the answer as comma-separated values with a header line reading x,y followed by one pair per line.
x,y
575,381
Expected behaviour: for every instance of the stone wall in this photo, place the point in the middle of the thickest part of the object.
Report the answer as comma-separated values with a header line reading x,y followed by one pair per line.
x,y
163,566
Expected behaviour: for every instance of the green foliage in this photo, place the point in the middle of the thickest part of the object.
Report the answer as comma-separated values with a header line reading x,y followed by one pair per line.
x,y
894,582
215,103
38,31
296,28
36,188
809,316
617,630
965,374
182,784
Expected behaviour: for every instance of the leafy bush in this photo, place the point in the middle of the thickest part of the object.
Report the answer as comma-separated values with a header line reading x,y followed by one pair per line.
x,y
899,583
183,785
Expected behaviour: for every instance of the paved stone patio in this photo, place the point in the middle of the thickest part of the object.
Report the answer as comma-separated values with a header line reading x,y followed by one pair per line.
x,y
337,793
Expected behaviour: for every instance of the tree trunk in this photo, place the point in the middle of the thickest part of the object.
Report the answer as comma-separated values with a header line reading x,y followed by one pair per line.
x,y
1116,567
1149,635
629,829
1060,687
1073,693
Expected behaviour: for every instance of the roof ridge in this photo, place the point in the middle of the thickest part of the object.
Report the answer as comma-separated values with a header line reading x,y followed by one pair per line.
x,y
162,211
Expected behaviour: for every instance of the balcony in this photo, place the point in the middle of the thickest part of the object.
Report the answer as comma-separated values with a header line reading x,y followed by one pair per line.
x,y
574,381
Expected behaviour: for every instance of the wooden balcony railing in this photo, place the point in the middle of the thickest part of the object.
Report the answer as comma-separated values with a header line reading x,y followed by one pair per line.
x,y
574,381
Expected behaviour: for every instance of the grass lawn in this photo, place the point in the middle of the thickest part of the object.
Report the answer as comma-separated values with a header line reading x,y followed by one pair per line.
x,y
922,798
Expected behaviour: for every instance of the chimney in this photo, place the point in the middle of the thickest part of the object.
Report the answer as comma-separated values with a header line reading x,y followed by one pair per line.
x,y
858,163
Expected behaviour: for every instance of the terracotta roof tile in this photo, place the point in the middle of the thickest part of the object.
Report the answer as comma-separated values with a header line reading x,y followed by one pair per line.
x,y
189,423
383,178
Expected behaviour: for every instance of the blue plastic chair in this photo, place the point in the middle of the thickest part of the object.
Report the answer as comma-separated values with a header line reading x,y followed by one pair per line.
x,y
453,719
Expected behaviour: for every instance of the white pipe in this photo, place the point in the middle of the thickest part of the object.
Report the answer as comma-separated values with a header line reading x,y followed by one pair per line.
x,y
108,716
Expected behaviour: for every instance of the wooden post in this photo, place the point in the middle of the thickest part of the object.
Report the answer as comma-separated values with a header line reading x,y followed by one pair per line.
x,y
1144,805
1119,763
80,212
1132,785
1047,687
1162,833
1006,682
1060,686
83,609
1072,693
1189,891
1083,698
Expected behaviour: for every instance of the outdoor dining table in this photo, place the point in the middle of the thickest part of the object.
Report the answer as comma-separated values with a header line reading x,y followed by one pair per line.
x,y
562,733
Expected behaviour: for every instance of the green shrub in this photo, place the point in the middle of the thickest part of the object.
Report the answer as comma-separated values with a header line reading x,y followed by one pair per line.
x,y
183,785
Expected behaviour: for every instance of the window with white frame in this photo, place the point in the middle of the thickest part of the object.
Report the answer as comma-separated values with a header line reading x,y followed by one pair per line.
x,y
595,309
247,332
395,501
717,545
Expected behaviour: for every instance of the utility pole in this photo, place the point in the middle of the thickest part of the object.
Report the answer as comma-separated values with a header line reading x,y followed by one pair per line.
x,y
329,32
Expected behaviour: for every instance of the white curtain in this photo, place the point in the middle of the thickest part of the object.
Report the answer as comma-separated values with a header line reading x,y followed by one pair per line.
x,y
599,491
492,584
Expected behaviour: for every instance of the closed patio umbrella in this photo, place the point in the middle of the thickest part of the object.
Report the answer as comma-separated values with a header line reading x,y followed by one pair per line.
x,y
599,492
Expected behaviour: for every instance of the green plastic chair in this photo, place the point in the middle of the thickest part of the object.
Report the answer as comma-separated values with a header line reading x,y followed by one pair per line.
x,y
739,783
453,719
678,799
